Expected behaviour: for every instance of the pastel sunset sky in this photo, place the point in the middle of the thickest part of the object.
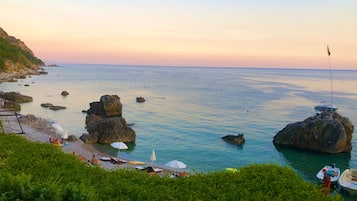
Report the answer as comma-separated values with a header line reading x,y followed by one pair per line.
x,y
220,33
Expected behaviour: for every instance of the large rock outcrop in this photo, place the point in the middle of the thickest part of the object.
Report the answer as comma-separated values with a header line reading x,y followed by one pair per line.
x,y
108,106
105,124
326,132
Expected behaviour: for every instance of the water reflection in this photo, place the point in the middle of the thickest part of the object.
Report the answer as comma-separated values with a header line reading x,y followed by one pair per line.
x,y
307,164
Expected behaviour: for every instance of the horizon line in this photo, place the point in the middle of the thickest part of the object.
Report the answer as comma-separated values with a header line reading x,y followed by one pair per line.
x,y
196,66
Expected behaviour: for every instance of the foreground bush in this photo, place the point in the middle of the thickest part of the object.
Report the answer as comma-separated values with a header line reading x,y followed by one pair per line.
x,y
37,171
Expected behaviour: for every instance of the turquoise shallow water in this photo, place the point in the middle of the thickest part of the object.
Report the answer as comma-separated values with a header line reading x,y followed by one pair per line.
x,y
188,110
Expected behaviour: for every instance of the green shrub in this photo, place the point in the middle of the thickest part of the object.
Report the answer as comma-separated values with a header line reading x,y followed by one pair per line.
x,y
16,55
40,171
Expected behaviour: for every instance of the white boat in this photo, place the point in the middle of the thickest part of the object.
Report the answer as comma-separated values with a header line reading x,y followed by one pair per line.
x,y
327,108
348,181
331,170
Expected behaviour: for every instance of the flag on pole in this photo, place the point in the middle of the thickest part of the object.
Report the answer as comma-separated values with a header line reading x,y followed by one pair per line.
x,y
328,51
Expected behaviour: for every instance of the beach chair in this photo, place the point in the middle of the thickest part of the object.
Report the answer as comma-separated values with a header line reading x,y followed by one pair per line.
x,y
115,160
153,170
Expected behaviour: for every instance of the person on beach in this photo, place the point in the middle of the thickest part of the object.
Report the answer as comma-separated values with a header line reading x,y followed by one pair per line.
x,y
55,141
93,160
326,184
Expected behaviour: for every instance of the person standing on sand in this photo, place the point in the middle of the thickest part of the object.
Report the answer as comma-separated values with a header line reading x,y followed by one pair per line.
x,y
326,184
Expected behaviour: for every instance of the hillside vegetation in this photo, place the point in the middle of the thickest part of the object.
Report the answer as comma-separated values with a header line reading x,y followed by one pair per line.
x,y
15,55
38,171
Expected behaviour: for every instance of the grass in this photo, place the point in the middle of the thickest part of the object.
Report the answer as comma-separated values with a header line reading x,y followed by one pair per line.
x,y
38,171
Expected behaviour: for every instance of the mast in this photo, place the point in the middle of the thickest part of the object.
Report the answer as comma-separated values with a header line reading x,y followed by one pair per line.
x,y
329,62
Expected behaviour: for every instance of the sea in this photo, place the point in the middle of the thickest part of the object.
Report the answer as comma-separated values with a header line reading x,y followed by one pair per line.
x,y
189,109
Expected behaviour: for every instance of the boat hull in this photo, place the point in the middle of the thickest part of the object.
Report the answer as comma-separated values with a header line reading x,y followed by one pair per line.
x,y
327,108
348,181
334,171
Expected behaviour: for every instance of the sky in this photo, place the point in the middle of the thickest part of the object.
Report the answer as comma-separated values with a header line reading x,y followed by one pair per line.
x,y
212,33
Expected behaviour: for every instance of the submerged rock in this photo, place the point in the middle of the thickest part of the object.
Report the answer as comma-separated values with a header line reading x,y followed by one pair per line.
x,y
53,107
56,107
47,105
327,132
234,139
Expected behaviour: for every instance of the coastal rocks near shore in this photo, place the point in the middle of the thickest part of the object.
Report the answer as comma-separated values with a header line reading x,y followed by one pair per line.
x,y
326,132
16,97
12,100
105,124
12,106
235,139
37,123
21,74
52,107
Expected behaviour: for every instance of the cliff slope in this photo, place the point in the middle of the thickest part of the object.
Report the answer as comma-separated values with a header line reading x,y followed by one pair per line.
x,y
15,55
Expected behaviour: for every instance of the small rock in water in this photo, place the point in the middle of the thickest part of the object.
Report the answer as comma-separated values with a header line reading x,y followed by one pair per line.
x,y
140,99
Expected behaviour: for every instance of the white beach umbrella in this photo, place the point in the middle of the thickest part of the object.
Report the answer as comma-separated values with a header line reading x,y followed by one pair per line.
x,y
176,164
153,156
58,128
65,135
119,146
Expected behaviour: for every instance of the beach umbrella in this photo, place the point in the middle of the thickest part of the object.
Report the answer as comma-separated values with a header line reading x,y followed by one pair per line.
x,y
65,135
153,156
176,164
58,128
119,146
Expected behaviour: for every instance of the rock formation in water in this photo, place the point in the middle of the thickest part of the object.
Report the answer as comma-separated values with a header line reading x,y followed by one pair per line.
x,y
15,97
12,100
234,139
105,124
140,99
326,132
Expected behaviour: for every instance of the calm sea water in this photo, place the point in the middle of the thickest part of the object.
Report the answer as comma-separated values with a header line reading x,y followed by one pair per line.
x,y
188,110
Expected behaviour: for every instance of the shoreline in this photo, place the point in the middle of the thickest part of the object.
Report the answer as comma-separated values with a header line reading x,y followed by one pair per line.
x,y
37,129
6,76
40,130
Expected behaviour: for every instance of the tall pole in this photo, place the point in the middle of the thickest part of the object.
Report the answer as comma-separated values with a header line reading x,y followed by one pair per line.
x,y
329,62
